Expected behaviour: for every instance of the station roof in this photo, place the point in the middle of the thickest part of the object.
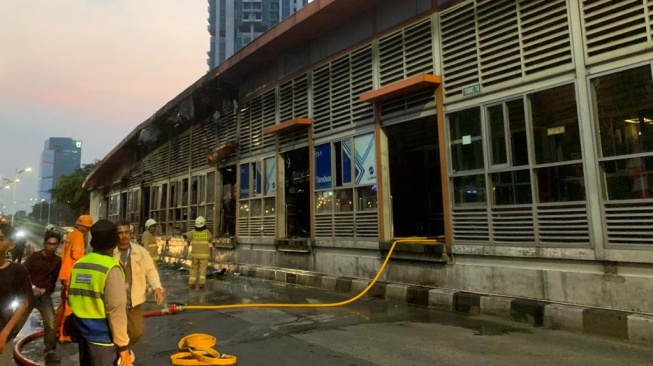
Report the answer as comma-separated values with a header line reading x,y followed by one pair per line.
x,y
318,17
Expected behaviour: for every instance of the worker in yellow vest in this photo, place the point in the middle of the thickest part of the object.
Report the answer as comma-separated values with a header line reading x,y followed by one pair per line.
x,y
98,301
201,240
148,241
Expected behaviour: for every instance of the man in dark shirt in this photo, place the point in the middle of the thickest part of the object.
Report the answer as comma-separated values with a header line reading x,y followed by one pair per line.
x,y
14,295
43,267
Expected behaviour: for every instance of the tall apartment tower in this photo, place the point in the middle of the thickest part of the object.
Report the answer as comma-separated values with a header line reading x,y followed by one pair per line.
x,y
60,156
235,23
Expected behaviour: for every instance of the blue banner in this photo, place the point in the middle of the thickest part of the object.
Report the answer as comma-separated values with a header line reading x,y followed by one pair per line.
x,y
365,159
244,181
258,178
323,175
270,177
346,161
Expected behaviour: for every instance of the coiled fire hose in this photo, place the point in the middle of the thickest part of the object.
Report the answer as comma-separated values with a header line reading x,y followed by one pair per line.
x,y
195,349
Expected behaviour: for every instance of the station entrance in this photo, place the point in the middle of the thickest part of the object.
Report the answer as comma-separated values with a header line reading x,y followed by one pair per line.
x,y
415,178
297,193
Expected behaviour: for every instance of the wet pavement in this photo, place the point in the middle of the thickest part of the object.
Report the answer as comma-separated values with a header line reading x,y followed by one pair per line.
x,y
368,332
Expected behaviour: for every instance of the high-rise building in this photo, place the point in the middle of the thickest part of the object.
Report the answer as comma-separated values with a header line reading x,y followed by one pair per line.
x,y
60,156
235,23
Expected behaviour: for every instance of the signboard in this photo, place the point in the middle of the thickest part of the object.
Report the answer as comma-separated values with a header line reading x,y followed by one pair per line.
x,y
471,90
244,181
323,174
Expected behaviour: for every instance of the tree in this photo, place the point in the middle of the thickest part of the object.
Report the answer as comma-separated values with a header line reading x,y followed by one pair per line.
x,y
69,190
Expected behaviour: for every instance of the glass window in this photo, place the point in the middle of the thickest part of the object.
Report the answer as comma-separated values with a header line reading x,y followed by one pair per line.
x,y
624,102
164,195
367,199
154,202
512,188
344,200
466,141
210,187
629,178
497,131
243,209
173,195
324,202
269,206
194,191
256,207
469,189
184,192
561,183
555,125
518,138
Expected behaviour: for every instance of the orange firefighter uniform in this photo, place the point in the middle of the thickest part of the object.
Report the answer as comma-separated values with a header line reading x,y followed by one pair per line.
x,y
73,249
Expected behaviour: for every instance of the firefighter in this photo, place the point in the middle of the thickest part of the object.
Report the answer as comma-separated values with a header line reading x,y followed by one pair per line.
x,y
200,250
148,241
73,249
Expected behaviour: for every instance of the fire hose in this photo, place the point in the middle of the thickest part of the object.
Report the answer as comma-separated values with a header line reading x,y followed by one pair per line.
x,y
196,349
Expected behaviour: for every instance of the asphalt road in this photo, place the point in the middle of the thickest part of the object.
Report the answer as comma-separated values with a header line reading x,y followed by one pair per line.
x,y
369,332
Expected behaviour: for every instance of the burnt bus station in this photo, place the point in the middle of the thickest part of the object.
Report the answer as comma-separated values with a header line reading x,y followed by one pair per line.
x,y
507,144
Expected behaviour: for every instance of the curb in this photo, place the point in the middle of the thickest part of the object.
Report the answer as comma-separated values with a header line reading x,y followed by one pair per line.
x,y
616,324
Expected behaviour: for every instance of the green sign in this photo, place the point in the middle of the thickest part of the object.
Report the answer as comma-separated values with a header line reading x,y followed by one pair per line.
x,y
470,90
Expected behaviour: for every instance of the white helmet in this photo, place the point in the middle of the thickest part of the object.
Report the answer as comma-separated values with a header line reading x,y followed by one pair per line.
x,y
149,223
200,221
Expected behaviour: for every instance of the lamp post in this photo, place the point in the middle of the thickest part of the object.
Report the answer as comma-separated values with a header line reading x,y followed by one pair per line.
x,y
49,194
18,172
49,203
41,209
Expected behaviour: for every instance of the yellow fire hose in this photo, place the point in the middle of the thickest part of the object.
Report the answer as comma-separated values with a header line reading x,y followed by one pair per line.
x,y
198,350
195,349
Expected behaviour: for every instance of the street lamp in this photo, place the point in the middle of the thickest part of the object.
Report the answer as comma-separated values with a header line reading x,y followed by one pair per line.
x,y
18,172
41,209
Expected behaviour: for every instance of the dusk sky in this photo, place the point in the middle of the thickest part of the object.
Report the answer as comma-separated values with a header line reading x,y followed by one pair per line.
x,y
91,70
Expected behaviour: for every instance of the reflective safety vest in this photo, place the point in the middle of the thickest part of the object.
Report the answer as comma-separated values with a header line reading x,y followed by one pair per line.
x,y
151,245
153,249
200,248
85,296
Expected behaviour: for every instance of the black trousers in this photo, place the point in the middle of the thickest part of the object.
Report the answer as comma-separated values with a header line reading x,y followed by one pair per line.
x,y
91,354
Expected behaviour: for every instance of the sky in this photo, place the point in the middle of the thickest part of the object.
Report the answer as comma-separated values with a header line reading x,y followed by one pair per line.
x,y
91,70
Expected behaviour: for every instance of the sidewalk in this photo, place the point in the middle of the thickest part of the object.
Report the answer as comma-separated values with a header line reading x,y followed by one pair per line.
x,y
622,325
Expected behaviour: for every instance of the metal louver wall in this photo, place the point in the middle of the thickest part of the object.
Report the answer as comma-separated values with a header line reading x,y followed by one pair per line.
x,y
616,27
513,225
470,225
629,223
347,225
554,225
491,42
203,139
256,114
268,117
405,53
180,154
226,126
293,103
155,164
244,129
563,224
337,86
